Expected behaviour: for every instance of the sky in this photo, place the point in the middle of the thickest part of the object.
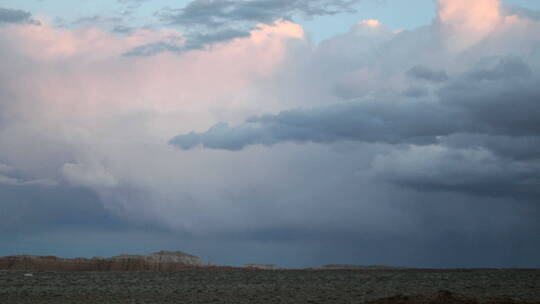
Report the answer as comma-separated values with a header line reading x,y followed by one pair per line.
x,y
297,133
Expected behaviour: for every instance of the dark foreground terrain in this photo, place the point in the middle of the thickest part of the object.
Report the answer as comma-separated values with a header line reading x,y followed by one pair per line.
x,y
280,286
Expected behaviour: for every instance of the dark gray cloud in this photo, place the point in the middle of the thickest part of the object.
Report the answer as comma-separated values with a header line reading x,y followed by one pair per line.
x,y
487,149
463,106
196,42
472,171
507,68
368,122
520,148
502,101
212,13
424,73
15,16
207,22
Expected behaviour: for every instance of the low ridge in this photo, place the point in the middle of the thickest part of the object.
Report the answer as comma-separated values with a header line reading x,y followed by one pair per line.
x,y
158,261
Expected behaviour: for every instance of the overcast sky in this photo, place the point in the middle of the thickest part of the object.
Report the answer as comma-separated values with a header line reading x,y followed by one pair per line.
x,y
296,132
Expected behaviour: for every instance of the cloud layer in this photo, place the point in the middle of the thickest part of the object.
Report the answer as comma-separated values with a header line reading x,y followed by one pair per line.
x,y
212,22
474,102
439,104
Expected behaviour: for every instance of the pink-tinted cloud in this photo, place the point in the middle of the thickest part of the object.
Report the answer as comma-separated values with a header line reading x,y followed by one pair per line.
x,y
466,21
478,15
73,93
83,73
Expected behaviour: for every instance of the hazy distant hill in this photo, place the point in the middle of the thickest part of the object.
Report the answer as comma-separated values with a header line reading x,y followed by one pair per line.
x,y
159,261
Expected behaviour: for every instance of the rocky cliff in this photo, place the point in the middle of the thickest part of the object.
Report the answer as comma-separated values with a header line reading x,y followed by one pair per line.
x,y
159,261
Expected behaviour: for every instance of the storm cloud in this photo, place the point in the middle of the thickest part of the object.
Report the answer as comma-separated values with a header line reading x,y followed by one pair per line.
x,y
461,107
472,130
375,146
15,16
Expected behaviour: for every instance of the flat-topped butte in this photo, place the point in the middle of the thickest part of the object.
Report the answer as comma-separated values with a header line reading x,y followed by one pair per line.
x,y
158,261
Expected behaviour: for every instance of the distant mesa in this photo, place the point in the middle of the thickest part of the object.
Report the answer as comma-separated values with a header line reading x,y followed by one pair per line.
x,y
165,257
159,261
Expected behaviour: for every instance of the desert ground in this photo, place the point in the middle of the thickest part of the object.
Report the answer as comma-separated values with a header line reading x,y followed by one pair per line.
x,y
230,285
